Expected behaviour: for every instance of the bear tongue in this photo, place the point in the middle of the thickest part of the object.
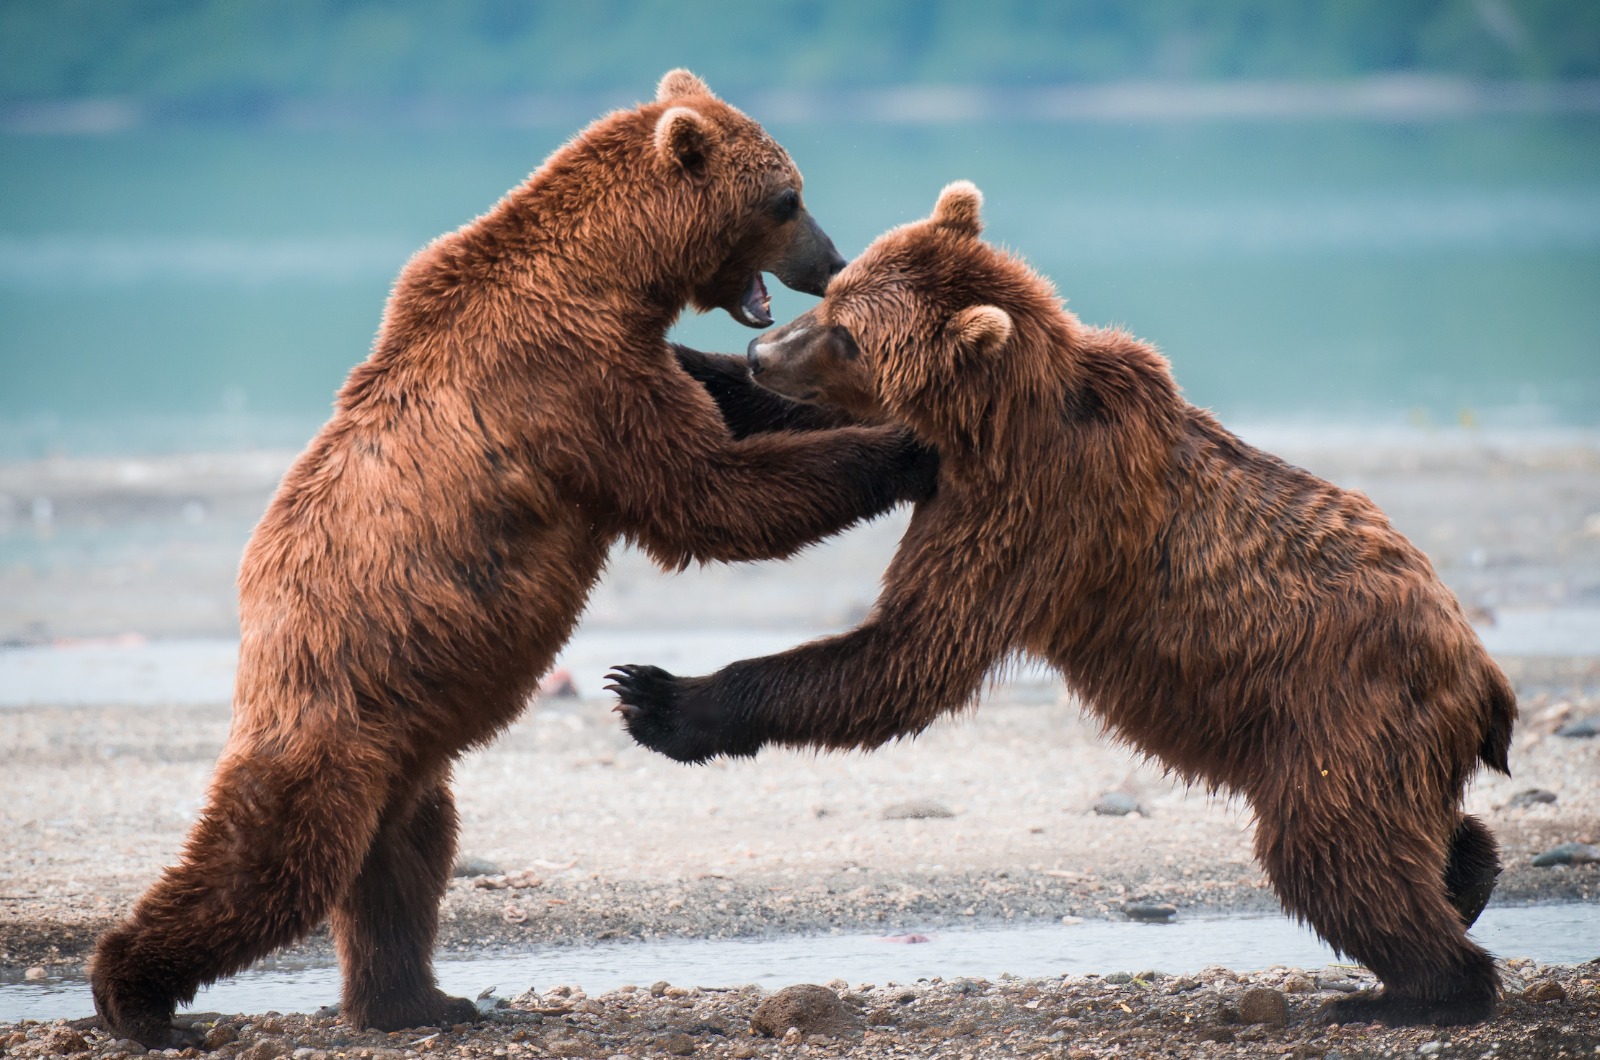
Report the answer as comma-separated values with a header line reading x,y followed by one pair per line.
x,y
755,307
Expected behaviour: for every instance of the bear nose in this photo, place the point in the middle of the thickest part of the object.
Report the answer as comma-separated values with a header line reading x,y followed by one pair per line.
x,y
836,266
752,357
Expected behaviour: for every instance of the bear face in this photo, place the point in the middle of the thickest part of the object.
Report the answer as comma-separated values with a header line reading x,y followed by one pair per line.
x,y
908,332
729,168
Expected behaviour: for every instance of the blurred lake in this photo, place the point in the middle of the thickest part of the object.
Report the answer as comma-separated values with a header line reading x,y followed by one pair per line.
x,y
168,289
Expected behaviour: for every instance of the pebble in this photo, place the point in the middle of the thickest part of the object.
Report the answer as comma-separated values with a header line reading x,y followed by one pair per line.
x,y
805,1009
1264,1005
1116,804
1580,729
1544,991
1430,1048
916,810
36,972
64,1041
1568,854
474,867
1532,797
678,1044
1155,911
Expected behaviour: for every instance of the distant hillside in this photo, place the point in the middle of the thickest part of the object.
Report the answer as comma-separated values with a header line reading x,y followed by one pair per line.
x,y
234,55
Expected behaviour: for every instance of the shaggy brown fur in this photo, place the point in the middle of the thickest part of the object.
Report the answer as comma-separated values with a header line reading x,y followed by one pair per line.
x,y
430,552
1249,625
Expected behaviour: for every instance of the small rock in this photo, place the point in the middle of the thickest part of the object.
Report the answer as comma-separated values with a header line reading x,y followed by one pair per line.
x,y
1183,985
1430,1048
1156,912
1264,1005
1116,804
912,939
1580,729
743,1051
1071,921
264,1050
678,1044
792,1036
64,1041
474,867
1532,797
36,972
916,810
129,1046
1119,978
1545,991
568,1047
219,1035
1568,854
806,1009
659,989
1297,985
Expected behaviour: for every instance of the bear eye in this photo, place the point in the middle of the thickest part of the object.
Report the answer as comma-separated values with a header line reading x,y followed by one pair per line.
x,y
786,205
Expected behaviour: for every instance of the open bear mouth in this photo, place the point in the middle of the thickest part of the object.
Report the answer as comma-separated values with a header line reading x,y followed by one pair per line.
x,y
754,309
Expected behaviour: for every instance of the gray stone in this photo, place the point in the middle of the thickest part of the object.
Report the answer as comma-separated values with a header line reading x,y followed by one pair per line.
x,y
916,810
1532,797
1116,804
1156,912
474,867
1568,854
1580,729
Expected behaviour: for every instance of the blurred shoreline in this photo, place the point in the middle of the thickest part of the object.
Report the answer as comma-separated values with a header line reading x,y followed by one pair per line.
x,y
1399,97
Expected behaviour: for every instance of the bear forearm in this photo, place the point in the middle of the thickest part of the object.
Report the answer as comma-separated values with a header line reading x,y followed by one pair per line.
x,y
746,408
774,494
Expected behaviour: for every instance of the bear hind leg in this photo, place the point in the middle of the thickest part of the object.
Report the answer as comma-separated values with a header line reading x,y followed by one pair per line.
x,y
386,924
260,869
1472,869
1374,889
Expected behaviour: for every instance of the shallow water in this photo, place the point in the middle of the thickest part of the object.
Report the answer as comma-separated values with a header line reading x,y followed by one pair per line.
x,y
1551,934
209,287
199,672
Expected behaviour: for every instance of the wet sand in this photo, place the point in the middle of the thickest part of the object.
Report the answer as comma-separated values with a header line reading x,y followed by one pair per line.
x,y
596,839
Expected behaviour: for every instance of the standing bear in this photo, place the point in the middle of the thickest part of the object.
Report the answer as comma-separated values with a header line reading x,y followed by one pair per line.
x,y
1245,623
427,556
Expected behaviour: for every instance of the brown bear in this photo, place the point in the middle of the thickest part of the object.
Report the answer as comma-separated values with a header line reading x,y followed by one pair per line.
x,y
427,556
1247,624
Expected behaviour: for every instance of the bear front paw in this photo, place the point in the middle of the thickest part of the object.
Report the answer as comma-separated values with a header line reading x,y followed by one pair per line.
x,y
663,713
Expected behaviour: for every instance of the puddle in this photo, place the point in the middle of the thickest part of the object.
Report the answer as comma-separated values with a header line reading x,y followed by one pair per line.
x,y
1551,934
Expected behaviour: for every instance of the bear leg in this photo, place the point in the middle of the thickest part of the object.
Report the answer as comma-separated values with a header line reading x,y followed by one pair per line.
x,y
1373,886
1472,869
277,843
386,923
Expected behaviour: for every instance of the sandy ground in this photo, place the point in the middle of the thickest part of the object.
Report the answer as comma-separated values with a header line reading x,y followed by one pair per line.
x,y
609,841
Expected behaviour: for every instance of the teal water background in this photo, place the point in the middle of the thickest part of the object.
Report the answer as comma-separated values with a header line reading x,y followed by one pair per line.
x,y
209,287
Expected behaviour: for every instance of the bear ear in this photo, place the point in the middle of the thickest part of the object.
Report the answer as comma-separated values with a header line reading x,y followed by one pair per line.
x,y
680,84
683,140
958,207
980,329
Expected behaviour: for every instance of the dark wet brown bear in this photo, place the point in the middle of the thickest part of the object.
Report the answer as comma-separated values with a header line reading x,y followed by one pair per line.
x,y
1249,625
430,552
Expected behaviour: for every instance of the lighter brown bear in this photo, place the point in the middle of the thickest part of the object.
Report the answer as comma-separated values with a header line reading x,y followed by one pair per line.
x,y
427,556
1243,622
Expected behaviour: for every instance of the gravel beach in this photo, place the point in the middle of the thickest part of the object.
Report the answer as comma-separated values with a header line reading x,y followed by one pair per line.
x,y
571,835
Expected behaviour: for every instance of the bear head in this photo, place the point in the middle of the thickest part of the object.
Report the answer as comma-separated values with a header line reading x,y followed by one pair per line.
x,y
715,164
917,330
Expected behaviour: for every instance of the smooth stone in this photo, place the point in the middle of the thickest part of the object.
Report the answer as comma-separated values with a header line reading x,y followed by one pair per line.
x,y
1116,804
1568,854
